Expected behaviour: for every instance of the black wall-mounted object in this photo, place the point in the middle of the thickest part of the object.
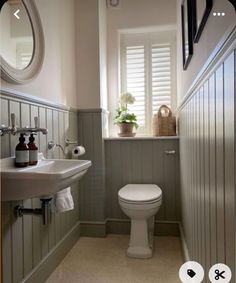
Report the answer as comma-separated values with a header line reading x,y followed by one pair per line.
x,y
2,3
187,31
201,11
233,2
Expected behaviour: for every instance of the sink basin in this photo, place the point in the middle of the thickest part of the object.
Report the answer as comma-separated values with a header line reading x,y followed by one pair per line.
x,y
43,180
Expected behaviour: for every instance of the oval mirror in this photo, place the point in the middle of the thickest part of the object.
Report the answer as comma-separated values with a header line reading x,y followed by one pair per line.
x,y
22,41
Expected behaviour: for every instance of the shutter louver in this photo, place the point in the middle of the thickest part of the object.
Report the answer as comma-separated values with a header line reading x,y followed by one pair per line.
x,y
23,54
25,59
161,76
135,80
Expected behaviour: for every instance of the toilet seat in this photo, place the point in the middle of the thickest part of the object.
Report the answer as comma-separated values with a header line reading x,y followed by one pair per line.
x,y
140,194
141,202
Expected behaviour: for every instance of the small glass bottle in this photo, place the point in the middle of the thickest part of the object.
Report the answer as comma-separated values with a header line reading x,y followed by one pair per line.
x,y
33,151
22,153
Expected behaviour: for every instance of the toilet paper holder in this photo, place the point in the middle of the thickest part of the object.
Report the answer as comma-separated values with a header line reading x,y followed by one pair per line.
x,y
52,145
68,142
76,151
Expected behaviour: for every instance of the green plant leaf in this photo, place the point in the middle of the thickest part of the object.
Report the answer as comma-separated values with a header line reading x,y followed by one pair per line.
x,y
123,116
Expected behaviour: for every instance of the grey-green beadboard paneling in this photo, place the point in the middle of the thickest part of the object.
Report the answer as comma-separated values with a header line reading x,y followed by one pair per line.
x,y
161,228
26,242
143,162
92,186
116,163
207,158
53,258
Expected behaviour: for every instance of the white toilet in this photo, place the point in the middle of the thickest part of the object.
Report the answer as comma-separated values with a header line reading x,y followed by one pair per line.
x,y
140,202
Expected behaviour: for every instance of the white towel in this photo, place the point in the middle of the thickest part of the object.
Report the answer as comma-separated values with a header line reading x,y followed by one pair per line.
x,y
63,201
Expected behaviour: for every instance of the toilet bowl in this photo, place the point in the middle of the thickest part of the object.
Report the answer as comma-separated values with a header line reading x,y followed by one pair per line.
x,y
140,202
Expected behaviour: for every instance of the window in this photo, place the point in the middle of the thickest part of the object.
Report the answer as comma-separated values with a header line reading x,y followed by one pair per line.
x,y
148,72
24,52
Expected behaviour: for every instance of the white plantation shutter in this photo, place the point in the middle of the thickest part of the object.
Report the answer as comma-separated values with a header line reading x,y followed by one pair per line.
x,y
147,71
161,76
135,80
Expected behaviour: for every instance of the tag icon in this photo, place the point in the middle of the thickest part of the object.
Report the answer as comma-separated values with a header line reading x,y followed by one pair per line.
x,y
191,273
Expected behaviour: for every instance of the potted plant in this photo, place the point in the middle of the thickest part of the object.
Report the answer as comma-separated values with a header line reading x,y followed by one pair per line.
x,y
125,120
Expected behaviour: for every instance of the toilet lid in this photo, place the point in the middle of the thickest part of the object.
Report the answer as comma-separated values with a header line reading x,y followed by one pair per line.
x,y
140,192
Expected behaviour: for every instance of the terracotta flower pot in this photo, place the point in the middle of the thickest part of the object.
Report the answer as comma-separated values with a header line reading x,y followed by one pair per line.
x,y
126,130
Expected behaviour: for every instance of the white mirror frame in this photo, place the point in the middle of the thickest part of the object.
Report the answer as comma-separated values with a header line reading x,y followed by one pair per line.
x,y
18,76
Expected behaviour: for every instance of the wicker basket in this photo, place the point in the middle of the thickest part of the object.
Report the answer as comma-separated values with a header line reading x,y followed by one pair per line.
x,y
164,124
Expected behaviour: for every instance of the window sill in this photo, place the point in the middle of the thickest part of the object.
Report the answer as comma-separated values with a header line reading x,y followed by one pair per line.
x,y
142,138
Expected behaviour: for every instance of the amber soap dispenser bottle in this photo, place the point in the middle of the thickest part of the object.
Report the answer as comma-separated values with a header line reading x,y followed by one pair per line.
x,y
22,153
33,151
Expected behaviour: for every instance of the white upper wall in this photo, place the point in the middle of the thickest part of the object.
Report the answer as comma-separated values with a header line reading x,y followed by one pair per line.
x,y
57,78
87,39
71,65
103,53
213,31
91,40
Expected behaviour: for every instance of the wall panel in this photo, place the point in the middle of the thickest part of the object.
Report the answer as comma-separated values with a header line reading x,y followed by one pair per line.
x,y
26,242
92,186
229,148
5,140
212,169
206,176
220,164
207,147
144,162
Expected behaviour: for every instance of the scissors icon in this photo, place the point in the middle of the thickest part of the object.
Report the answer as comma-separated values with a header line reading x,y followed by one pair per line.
x,y
219,274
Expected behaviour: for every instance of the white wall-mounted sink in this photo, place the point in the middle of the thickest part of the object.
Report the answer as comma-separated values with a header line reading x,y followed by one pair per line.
x,y
43,180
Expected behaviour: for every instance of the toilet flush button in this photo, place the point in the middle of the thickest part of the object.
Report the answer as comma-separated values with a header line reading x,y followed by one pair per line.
x,y
191,271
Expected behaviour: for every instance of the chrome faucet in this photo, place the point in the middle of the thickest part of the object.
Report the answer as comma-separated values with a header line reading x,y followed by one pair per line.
x,y
25,130
36,129
9,130
52,145
5,130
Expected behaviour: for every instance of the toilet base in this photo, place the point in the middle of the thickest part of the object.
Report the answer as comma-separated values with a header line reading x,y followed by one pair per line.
x,y
140,202
141,238
139,252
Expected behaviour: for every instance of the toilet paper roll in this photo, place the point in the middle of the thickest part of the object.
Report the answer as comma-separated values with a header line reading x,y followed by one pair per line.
x,y
78,151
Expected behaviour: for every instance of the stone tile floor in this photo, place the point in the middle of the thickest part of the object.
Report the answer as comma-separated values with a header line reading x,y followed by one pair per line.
x,y
104,260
